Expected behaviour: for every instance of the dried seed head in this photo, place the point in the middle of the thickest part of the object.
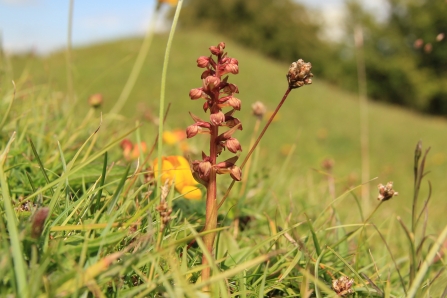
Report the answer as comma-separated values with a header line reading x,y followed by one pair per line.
x,y
258,109
328,164
299,74
342,286
386,192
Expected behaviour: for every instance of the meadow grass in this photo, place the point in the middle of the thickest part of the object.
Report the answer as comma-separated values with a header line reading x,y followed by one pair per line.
x,y
100,238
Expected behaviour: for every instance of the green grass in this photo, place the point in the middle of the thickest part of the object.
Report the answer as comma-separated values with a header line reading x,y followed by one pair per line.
x,y
85,248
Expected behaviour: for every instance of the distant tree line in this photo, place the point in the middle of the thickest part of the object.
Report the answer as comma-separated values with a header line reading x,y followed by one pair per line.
x,y
405,54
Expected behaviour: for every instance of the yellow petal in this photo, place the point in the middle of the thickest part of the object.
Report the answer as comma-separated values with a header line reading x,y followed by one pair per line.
x,y
168,170
191,192
169,138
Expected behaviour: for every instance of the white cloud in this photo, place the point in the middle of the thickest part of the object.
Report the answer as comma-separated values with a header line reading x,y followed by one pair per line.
x,y
110,21
19,2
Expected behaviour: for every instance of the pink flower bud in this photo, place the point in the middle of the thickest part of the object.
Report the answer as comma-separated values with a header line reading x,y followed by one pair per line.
x,y
235,103
195,93
234,61
221,45
233,145
211,82
192,130
217,118
215,50
232,68
203,61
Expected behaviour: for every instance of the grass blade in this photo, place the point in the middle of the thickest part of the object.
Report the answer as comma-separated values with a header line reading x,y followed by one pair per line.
x,y
42,168
16,245
426,264
118,191
101,183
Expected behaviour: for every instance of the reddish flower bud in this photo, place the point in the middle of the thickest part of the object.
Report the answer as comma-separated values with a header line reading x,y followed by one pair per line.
x,y
195,93
233,145
215,50
235,103
126,144
221,45
203,61
96,100
205,106
234,61
217,118
204,168
236,173
38,222
232,68
192,130
211,82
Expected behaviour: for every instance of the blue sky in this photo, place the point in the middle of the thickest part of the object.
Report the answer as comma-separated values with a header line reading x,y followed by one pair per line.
x,y
41,25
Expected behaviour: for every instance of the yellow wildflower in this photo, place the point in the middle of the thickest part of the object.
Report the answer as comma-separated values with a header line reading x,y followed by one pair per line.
x,y
170,2
176,169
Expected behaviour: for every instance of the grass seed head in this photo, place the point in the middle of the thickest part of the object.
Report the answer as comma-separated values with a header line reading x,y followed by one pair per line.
x,y
386,192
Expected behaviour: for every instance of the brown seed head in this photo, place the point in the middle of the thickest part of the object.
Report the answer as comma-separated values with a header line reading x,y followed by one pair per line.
x,y
386,192
258,109
342,286
299,74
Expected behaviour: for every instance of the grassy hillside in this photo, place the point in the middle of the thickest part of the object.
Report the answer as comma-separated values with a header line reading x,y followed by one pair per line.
x,y
110,232
321,120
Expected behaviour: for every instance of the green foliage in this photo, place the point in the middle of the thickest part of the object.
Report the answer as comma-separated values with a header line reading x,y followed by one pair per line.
x,y
404,60
282,29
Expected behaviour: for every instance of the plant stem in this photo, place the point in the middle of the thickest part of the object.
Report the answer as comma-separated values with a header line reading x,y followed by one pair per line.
x,y
211,206
252,149
163,90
